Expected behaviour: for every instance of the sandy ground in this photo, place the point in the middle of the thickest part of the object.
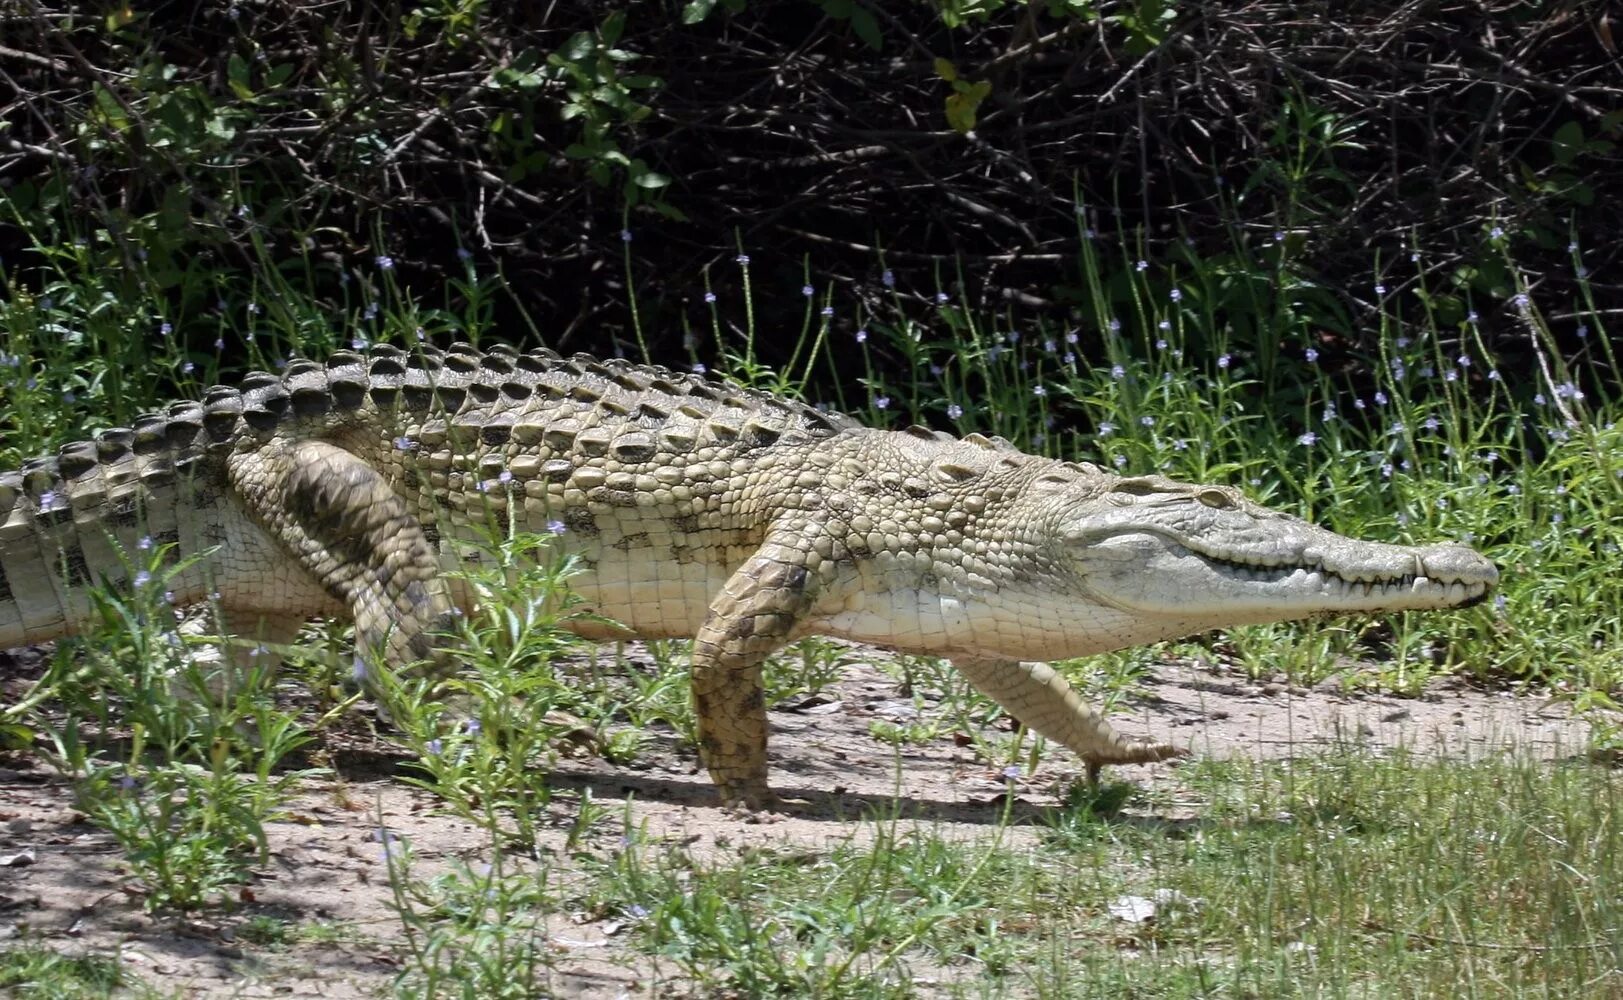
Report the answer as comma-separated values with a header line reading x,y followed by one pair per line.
x,y
326,861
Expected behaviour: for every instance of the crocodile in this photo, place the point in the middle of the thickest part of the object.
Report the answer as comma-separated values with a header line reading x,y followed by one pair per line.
x,y
697,508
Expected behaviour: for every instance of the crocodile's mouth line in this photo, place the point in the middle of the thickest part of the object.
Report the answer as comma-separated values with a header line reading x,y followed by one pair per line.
x,y
1319,578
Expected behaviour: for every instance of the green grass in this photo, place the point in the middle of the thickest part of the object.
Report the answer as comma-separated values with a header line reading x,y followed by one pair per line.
x,y
1335,875
1341,875
36,973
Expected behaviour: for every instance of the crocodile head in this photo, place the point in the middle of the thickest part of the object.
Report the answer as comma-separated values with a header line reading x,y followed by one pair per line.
x,y
1153,548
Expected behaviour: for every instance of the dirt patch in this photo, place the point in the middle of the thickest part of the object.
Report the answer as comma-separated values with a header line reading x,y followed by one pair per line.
x,y
327,865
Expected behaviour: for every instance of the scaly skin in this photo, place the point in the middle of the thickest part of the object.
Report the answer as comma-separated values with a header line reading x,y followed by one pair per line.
x,y
699,509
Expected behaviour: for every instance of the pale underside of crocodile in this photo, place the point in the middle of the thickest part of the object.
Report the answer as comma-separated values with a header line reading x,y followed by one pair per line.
x,y
698,509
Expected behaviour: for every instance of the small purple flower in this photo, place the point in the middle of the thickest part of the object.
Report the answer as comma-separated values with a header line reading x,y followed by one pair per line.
x,y
1311,355
1114,326
1072,337
1039,391
1309,439
403,443
1582,331
1161,344
473,727
435,747
743,259
698,369
1496,233
1119,461
1012,772
882,402
954,411
358,670
862,336
145,544
556,527
1106,428
887,278
625,236
1380,398
1471,317
1142,265
1176,294
1147,420
128,783
1380,289
1225,360
1520,301
504,477
166,328
709,297
1181,444
143,578
464,254
828,312
941,298
384,262
1117,372
807,291
359,343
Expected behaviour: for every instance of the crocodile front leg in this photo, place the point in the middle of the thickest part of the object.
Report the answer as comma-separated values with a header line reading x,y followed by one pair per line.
x,y
341,522
754,614
1041,699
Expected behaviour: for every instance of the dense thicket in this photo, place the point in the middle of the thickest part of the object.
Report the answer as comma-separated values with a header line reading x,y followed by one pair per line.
x,y
204,134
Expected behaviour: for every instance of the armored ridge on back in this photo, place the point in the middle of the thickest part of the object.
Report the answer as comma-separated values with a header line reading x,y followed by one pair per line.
x,y
699,509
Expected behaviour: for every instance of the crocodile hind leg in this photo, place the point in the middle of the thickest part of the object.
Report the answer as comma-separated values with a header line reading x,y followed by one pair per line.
x,y
754,614
1041,699
346,527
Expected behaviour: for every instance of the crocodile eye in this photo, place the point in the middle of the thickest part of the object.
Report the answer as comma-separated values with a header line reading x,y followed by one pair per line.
x,y
1218,499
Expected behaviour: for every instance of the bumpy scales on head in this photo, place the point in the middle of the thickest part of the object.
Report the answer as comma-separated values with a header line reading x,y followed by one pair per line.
x,y
698,509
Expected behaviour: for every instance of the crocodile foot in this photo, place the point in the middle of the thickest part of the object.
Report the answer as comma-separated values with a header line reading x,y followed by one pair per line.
x,y
1141,753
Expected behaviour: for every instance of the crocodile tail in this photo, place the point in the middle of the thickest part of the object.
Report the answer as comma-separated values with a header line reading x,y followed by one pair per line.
x,y
101,510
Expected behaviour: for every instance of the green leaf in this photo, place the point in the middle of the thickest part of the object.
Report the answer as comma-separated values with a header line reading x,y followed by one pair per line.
x,y
278,75
238,75
613,27
946,70
867,28
651,180
1567,143
963,105
670,211
697,11
579,46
